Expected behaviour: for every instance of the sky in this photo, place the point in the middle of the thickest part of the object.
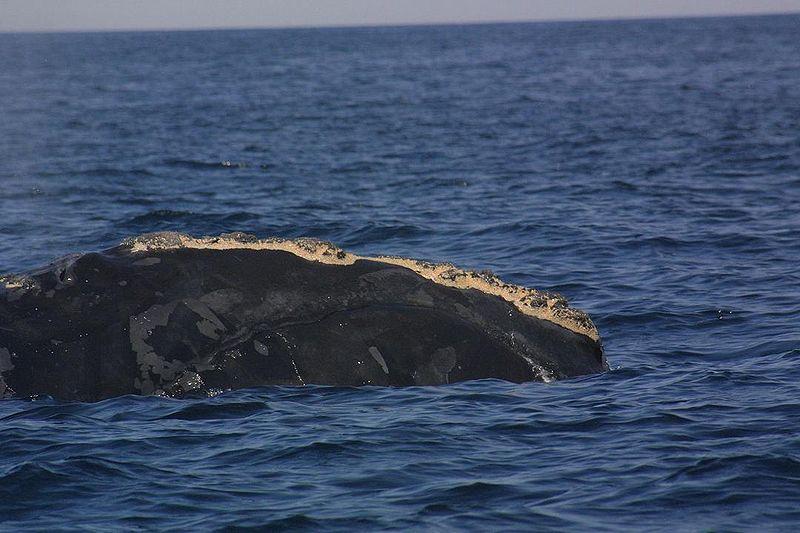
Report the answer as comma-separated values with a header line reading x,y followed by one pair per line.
x,y
71,15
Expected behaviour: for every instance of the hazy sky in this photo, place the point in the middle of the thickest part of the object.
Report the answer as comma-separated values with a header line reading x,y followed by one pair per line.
x,y
24,15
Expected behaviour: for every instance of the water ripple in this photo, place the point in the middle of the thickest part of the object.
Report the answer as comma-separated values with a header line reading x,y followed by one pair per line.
x,y
647,170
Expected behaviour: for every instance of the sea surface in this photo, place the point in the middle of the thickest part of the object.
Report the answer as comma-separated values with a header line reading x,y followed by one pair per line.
x,y
647,170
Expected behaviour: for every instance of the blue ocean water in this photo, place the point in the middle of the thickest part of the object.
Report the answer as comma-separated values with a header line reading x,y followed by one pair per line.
x,y
648,170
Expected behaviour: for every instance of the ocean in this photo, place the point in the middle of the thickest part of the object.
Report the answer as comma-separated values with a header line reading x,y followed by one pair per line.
x,y
648,170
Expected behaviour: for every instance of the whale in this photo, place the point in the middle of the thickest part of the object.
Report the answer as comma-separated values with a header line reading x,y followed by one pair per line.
x,y
175,315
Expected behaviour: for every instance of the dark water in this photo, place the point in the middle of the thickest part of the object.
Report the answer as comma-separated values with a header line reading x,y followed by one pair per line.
x,y
650,171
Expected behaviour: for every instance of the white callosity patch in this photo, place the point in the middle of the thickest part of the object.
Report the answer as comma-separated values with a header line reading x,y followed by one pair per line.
x,y
542,305
376,354
5,365
15,287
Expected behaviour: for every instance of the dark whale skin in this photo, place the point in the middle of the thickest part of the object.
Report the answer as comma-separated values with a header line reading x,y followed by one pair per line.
x,y
200,321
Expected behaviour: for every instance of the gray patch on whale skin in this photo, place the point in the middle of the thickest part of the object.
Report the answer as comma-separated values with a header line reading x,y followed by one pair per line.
x,y
156,370
421,298
5,360
261,348
210,326
376,354
222,300
5,365
147,261
438,369
140,328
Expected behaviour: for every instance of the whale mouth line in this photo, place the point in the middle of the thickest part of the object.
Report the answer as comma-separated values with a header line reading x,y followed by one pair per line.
x,y
544,305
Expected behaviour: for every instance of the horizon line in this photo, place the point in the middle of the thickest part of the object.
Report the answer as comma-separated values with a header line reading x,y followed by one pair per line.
x,y
367,25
